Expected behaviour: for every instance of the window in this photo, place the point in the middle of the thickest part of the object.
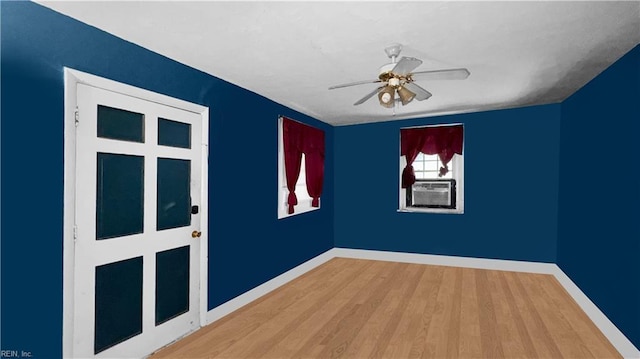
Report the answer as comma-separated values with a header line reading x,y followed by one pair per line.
x,y
434,181
427,167
308,142
304,200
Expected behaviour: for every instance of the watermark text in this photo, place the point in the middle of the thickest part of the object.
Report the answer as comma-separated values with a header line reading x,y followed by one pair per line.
x,y
6,353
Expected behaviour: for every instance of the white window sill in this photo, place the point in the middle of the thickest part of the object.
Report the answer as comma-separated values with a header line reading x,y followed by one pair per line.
x,y
298,209
431,210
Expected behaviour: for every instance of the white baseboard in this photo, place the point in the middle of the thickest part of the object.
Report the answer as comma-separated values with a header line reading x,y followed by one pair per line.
x,y
615,336
451,261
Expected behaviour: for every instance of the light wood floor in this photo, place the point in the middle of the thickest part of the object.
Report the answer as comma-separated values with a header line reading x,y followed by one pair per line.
x,y
352,308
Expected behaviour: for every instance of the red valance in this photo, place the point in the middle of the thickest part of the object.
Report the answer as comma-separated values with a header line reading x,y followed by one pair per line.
x,y
445,141
299,138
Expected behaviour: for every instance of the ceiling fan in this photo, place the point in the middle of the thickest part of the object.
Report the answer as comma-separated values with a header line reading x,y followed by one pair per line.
x,y
398,78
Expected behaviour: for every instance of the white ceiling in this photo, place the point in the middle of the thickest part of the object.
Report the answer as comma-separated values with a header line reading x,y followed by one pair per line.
x,y
518,53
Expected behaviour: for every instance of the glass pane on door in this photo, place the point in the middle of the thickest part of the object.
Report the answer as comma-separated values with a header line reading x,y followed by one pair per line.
x,y
118,124
174,133
118,302
174,193
119,196
172,283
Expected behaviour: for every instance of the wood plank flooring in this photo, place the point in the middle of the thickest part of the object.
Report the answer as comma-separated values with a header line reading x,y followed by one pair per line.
x,y
351,308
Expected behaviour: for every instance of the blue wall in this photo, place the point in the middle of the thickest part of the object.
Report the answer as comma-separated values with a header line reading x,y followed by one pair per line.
x,y
514,151
599,213
248,245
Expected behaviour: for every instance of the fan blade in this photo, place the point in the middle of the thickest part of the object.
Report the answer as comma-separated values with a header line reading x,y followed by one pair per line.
x,y
368,96
406,65
421,94
449,74
355,83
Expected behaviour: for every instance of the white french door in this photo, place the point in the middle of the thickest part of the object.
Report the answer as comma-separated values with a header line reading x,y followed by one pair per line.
x,y
138,213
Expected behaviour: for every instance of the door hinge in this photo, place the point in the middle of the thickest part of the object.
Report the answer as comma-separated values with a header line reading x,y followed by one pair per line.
x,y
77,115
75,233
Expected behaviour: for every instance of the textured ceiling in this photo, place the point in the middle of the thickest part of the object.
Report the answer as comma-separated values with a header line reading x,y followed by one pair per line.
x,y
518,53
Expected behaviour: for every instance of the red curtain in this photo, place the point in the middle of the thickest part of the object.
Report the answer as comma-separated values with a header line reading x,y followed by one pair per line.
x,y
313,148
445,141
299,138
292,138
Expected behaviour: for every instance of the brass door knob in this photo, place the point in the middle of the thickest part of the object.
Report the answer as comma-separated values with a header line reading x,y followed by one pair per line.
x,y
196,234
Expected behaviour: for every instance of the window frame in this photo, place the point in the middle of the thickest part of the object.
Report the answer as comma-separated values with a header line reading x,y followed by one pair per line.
x,y
456,167
304,200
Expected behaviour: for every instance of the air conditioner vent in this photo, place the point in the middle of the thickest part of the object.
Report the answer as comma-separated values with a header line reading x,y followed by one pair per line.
x,y
432,194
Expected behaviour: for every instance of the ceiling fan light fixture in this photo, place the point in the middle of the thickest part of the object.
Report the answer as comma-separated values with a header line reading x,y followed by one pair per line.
x,y
405,95
386,96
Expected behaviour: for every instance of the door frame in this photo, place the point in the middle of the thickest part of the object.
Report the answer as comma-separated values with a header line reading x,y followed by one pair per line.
x,y
73,77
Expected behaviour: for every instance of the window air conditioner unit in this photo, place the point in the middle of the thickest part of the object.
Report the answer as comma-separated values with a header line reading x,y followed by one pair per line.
x,y
434,193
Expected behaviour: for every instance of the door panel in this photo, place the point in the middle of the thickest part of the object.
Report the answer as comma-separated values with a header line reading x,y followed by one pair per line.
x,y
137,269
174,195
174,133
119,124
172,283
120,195
112,280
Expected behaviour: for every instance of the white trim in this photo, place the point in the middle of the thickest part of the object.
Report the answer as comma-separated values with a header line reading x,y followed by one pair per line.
x,y
71,79
611,332
433,125
615,336
69,219
204,218
452,261
257,292
76,76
